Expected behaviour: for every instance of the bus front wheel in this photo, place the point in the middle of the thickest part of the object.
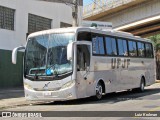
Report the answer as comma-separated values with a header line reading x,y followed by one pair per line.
x,y
99,91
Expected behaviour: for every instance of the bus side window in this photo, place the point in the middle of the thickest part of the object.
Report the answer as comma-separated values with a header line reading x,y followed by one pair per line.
x,y
149,50
132,48
83,57
141,49
122,47
84,36
111,46
98,45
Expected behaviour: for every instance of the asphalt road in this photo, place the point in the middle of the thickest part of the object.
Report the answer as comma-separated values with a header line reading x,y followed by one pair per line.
x,y
148,101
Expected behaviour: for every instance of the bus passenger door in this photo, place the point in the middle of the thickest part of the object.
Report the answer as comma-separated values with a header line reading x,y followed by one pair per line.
x,y
83,69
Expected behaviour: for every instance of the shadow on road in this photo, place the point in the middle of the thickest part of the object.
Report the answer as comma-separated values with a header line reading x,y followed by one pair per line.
x,y
112,98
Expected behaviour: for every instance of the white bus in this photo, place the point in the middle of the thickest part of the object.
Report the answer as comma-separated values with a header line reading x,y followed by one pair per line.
x,y
71,63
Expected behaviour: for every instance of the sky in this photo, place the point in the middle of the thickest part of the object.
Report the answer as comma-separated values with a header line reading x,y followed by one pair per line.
x,y
86,2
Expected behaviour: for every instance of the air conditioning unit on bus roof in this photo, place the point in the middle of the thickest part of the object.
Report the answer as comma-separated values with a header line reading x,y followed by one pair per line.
x,y
97,25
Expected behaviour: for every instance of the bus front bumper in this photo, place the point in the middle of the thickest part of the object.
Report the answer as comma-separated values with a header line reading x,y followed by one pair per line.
x,y
60,95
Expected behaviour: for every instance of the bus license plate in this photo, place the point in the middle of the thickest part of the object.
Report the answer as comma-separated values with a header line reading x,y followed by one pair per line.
x,y
47,93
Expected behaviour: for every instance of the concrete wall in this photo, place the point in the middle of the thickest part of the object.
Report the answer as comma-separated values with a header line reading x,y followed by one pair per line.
x,y
58,12
134,13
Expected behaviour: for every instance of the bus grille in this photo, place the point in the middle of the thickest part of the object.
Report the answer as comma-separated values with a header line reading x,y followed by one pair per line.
x,y
49,89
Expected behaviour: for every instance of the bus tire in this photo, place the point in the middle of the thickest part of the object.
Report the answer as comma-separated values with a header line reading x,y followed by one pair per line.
x,y
99,91
142,85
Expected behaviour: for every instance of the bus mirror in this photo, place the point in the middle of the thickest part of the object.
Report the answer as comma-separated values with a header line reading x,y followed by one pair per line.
x,y
69,51
14,54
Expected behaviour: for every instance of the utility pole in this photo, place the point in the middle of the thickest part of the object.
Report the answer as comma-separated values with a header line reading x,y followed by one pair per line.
x,y
75,13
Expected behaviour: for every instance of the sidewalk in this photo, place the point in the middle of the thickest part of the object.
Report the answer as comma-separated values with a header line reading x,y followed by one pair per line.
x,y
12,97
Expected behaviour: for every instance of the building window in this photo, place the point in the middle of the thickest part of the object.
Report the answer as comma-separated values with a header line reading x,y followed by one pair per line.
x,y
37,23
7,18
63,25
111,46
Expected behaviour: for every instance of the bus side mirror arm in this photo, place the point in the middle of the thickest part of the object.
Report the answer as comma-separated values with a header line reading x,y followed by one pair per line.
x,y
14,53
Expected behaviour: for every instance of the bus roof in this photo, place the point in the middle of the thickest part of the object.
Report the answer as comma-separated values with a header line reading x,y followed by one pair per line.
x,y
110,32
56,30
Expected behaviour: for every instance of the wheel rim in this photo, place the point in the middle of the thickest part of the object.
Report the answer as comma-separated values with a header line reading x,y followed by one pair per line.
x,y
99,92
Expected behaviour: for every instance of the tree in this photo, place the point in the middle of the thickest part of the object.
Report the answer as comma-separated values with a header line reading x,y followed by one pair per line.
x,y
156,42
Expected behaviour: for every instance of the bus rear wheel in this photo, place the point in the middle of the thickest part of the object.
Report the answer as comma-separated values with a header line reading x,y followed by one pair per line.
x,y
99,91
141,87
142,84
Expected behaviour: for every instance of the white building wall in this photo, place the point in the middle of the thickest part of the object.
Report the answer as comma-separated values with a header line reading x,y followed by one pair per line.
x,y
58,12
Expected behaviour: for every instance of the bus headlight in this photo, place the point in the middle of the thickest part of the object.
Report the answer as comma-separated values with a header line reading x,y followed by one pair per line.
x,y
68,84
27,86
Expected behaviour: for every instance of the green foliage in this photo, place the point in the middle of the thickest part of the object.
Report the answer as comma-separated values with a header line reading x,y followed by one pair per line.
x,y
156,41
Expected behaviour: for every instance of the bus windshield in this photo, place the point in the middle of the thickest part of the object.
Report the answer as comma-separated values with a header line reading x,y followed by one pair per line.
x,y
46,55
